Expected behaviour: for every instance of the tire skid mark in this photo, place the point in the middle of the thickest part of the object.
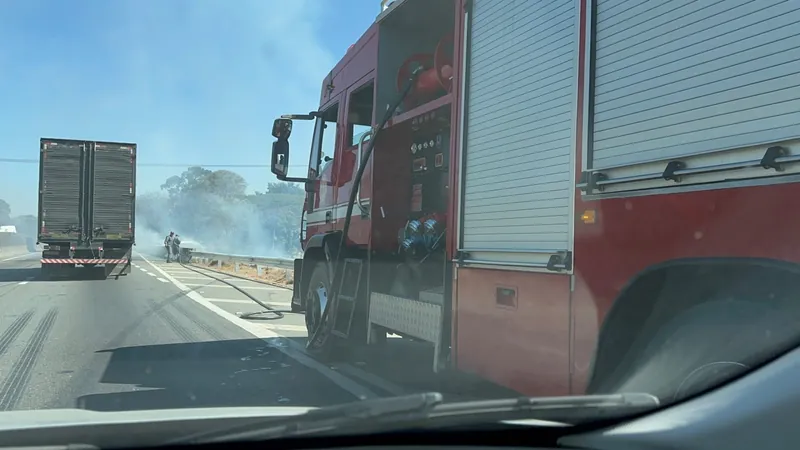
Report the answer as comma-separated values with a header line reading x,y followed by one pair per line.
x,y
179,329
213,332
11,333
20,374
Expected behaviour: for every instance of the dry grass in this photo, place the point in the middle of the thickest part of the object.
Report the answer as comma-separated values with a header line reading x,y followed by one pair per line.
x,y
271,275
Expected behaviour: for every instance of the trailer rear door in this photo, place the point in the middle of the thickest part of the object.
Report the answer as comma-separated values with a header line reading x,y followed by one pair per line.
x,y
706,86
61,173
517,152
113,187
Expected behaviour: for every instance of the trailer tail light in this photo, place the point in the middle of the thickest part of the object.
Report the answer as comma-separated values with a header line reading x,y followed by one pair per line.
x,y
589,216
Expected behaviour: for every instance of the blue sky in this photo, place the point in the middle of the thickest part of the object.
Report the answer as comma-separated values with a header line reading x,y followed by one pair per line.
x,y
189,81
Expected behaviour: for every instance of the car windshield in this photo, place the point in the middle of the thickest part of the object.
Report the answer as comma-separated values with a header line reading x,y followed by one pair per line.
x,y
273,205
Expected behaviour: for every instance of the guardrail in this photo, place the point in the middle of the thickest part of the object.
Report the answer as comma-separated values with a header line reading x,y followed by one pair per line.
x,y
282,263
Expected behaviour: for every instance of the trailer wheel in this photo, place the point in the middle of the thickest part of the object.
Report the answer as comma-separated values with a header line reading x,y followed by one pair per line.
x,y
316,297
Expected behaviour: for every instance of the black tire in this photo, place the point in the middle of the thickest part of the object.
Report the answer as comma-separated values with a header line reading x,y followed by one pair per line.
x,y
323,347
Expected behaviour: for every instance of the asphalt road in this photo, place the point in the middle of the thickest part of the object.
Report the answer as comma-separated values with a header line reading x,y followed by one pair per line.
x,y
143,341
171,336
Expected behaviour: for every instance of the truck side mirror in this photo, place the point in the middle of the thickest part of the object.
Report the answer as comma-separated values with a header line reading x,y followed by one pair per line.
x,y
282,129
280,158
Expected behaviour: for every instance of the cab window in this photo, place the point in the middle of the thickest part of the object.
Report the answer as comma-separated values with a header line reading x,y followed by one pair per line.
x,y
359,113
323,145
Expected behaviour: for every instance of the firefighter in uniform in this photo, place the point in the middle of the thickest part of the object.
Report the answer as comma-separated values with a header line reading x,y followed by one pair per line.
x,y
168,244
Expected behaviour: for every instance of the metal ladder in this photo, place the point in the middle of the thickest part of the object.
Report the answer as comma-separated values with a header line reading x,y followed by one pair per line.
x,y
346,307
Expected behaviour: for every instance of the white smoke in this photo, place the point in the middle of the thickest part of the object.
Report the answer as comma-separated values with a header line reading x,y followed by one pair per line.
x,y
211,223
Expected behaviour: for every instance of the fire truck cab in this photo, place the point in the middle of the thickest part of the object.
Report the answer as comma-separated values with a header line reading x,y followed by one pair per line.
x,y
394,254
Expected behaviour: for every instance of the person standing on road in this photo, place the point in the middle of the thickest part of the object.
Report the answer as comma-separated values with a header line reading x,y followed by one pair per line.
x,y
176,248
168,244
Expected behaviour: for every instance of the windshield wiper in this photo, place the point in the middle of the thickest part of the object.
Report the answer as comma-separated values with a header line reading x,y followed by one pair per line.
x,y
427,409
567,410
323,419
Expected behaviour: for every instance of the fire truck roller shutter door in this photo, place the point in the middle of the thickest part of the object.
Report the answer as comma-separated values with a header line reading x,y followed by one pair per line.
x,y
518,143
711,85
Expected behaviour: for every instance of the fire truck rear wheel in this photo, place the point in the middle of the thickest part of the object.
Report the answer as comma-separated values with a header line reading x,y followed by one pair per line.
x,y
316,296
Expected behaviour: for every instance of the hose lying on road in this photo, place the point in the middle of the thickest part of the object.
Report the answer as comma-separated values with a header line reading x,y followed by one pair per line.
x,y
258,315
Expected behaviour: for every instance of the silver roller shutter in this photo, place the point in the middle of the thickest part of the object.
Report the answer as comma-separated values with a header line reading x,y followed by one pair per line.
x,y
686,77
518,143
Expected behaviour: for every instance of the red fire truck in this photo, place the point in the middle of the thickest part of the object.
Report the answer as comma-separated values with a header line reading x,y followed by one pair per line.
x,y
554,185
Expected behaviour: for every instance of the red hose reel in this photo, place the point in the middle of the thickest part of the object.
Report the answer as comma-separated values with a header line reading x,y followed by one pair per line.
x,y
437,75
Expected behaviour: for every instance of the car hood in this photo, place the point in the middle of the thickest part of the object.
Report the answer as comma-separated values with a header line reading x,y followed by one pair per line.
x,y
17,420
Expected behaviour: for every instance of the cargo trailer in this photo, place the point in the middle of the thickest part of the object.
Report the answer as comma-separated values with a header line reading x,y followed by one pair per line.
x,y
87,199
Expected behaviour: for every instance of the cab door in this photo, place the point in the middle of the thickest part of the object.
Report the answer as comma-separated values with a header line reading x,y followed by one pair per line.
x,y
357,130
320,203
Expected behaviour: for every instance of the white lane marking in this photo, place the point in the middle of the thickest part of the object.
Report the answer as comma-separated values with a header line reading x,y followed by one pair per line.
x,y
173,269
162,280
277,327
152,274
16,257
228,300
26,280
225,286
189,278
289,347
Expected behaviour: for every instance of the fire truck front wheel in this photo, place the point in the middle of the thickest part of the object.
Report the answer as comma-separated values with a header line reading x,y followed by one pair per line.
x,y
314,300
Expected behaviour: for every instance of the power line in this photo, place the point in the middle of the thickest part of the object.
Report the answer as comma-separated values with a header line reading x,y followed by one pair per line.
x,y
36,161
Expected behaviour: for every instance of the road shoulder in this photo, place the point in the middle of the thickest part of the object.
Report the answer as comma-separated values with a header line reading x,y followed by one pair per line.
x,y
287,346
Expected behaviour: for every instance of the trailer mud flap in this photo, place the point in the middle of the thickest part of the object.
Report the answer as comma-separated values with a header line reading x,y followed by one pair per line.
x,y
296,282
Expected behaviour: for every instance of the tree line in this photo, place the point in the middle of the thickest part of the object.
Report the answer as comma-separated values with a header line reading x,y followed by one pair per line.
x,y
214,210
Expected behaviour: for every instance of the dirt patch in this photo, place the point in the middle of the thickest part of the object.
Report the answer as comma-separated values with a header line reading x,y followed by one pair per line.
x,y
271,275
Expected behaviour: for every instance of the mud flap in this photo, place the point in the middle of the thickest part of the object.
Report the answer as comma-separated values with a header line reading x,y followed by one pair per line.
x,y
296,283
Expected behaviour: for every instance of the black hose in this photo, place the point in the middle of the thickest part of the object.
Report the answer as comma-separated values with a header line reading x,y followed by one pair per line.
x,y
339,268
258,315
